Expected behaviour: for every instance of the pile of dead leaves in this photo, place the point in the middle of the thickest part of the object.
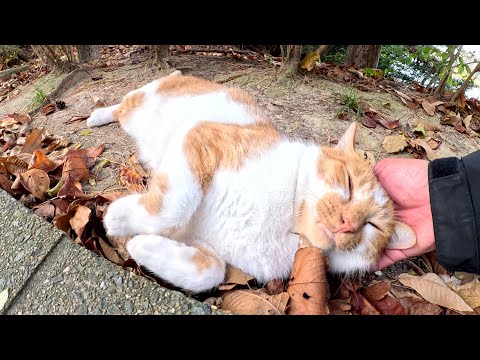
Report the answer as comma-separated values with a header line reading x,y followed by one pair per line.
x,y
45,172
362,79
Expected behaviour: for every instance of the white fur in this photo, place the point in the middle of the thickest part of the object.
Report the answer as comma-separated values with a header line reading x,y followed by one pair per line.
x,y
246,216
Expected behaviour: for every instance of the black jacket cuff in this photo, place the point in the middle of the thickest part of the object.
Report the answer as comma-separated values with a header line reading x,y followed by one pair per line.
x,y
455,210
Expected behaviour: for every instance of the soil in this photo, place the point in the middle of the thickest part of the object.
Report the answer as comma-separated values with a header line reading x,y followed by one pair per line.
x,y
304,107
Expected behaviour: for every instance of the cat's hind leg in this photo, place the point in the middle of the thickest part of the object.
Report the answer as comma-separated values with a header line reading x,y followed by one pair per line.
x,y
192,267
167,206
102,116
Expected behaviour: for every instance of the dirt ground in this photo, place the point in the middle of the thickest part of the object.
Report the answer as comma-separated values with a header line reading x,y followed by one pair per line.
x,y
305,108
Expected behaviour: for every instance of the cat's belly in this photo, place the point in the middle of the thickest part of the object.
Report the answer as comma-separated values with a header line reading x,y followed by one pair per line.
x,y
248,222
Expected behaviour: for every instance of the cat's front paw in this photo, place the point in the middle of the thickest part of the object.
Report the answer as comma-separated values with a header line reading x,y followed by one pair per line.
x,y
118,220
100,117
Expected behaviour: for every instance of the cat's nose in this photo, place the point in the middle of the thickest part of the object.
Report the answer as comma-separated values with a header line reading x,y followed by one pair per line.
x,y
345,225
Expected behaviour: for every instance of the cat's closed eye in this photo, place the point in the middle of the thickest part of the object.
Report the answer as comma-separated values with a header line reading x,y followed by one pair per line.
x,y
375,226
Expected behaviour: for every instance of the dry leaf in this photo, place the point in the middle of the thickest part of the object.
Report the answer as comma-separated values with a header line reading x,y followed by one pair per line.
x,y
308,286
470,292
45,210
21,118
80,216
76,118
109,252
40,161
417,306
88,155
131,179
434,290
6,184
338,306
362,306
394,143
275,287
233,277
369,122
377,290
36,181
34,141
431,155
429,108
249,302
75,168
389,306
403,96
436,266
411,104
48,109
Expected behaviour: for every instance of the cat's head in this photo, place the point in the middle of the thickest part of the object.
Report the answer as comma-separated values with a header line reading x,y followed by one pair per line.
x,y
346,212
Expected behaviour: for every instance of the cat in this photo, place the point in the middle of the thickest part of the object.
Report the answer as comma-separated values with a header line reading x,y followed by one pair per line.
x,y
228,188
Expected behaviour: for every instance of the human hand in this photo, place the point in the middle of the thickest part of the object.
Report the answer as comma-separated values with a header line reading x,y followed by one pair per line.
x,y
406,182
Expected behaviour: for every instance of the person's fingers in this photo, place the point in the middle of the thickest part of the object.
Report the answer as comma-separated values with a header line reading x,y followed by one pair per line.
x,y
390,257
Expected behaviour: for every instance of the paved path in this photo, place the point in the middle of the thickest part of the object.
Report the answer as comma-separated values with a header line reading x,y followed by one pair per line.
x,y
45,272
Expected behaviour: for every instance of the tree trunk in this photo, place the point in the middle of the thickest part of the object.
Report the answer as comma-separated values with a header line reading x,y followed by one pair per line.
x,y
87,53
291,60
465,83
441,87
363,56
160,55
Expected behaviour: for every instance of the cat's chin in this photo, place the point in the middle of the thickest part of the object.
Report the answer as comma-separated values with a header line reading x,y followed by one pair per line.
x,y
348,262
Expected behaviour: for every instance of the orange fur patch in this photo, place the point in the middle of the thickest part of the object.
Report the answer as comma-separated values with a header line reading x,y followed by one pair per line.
x,y
153,199
209,146
205,259
130,102
186,85
242,97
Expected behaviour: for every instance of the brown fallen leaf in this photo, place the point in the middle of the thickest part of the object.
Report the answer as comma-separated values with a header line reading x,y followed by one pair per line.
x,y
71,189
388,305
434,290
403,96
134,162
466,122
48,109
250,302
14,165
76,118
377,290
436,266
6,184
394,143
42,162
362,306
461,100
80,216
131,179
233,277
308,286
109,252
36,181
470,292
74,167
411,104
386,123
369,122
89,155
21,118
431,155
429,108
416,306
34,141
433,143
275,287
339,307
45,210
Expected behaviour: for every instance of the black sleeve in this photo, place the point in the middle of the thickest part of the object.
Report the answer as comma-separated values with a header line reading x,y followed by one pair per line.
x,y
455,202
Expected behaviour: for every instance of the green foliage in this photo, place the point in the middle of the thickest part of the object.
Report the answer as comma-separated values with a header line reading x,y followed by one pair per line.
x,y
369,72
8,53
350,102
336,54
39,98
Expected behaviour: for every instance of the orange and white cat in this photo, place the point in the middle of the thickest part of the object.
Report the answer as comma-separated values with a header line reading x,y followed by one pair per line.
x,y
226,187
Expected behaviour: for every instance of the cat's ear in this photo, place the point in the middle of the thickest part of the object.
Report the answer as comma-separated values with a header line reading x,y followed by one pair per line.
x,y
347,141
403,237
176,73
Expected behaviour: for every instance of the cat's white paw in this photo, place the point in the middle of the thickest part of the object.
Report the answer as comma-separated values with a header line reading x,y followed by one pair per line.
x,y
119,219
101,116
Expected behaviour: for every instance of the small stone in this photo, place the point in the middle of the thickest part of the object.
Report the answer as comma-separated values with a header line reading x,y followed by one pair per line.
x,y
81,309
378,273
111,289
118,280
96,312
78,296
102,285
172,310
67,269
19,256
154,298
15,223
128,306
130,284
56,279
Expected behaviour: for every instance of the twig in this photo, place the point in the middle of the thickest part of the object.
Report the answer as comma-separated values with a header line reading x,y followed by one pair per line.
x,y
230,78
223,51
